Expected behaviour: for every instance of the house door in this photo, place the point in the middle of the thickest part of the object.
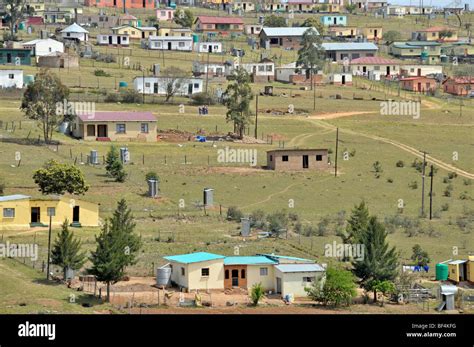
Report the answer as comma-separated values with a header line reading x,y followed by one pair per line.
x,y
9,58
102,130
419,87
110,39
169,46
210,49
278,288
419,73
119,40
251,31
155,88
388,70
90,130
75,214
343,79
35,215
364,69
235,278
335,20
375,33
190,88
305,161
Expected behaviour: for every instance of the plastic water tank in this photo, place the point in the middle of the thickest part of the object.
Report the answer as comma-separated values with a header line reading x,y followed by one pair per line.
x,y
442,272
123,84
163,276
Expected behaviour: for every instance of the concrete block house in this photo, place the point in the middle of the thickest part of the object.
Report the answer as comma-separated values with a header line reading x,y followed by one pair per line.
x,y
223,25
297,159
287,38
349,50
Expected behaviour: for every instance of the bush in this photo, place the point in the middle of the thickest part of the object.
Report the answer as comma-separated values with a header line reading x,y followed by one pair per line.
x,y
293,217
256,293
467,182
202,99
277,222
390,180
101,73
464,196
111,97
452,175
413,185
445,207
2,186
323,227
257,219
400,163
233,213
152,175
131,96
448,190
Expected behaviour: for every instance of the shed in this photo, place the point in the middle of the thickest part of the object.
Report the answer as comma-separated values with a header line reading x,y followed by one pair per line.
x,y
447,295
292,279
75,32
297,159
458,270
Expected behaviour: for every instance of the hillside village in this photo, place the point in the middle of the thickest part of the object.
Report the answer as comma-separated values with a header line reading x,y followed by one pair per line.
x,y
241,153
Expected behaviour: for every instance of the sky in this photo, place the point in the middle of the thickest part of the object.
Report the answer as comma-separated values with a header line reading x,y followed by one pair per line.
x,y
436,3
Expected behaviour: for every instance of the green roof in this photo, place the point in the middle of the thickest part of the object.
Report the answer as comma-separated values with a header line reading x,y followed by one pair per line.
x,y
194,257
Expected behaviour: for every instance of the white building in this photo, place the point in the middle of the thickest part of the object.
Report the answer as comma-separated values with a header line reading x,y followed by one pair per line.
x,y
340,78
412,70
211,47
288,73
11,78
264,70
75,32
185,86
41,47
253,29
170,43
113,39
215,69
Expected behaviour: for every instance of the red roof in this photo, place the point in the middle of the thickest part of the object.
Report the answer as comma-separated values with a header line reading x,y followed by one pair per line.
x,y
433,29
220,20
374,61
35,21
416,78
117,117
461,80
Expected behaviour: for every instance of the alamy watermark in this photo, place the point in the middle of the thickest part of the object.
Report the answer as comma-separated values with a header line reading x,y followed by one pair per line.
x,y
354,251
400,108
76,108
232,155
19,250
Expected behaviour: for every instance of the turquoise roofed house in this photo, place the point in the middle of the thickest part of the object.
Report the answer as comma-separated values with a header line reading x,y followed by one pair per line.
x,y
278,274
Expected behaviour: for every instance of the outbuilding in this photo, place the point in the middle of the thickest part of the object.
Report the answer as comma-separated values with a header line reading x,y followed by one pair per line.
x,y
11,78
113,40
75,32
170,43
349,50
209,47
40,47
297,159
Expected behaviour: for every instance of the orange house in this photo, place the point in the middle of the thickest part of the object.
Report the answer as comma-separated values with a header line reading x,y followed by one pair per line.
x,y
460,86
120,3
418,84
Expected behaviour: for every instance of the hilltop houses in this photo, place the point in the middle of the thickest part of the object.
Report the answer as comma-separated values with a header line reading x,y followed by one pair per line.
x,y
286,38
349,50
460,86
222,25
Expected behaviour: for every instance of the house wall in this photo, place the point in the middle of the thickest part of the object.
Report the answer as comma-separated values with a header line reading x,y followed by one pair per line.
x,y
215,279
162,43
104,39
242,279
165,14
102,21
292,283
340,55
65,61
132,131
83,37
295,160
203,47
45,47
253,276
372,33
412,70
358,69
133,33
17,55
453,272
22,215
329,20
456,89
119,3
7,82
197,85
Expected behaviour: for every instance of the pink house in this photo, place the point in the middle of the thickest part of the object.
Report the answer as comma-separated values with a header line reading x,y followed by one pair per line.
x,y
163,14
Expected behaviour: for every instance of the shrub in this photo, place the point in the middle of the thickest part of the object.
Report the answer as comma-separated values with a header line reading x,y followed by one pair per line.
x,y
111,97
233,213
152,175
277,222
464,196
256,293
390,180
400,163
413,185
293,216
467,182
448,190
452,175
257,219
323,227
202,99
101,73
445,207
131,96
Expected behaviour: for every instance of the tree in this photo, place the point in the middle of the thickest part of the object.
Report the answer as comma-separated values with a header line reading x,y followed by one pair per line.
x,y
277,222
379,262
173,80
273,21
419,256
152,175
16,11
377,169
257,293
117,247
391,36
357,223
40,102
338,288
185,18
385,287
314,22
57,178
311,55
66,250
238,97
446,33
114,166
350,8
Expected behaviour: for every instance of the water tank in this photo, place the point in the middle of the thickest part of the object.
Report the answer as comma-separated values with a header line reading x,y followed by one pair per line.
x,y
152,188
442,272
245,230
195,38
139,23
208,197
63,127
28,79
163,276
123,84
124,155
94,158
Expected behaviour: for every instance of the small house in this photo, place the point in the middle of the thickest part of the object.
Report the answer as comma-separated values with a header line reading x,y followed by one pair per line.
x,y
263,71
418,84
375,65
165,14
290,74
460,86
209,47
75,32
15,56
460,270
113,40
372,33
184,86
426,51
244,6
128,19
61,14
100,20
214,69
22,212
40,47
438,33
253,29
115,126
223,25
162,31
297,159
300,6
170,43
412,70
333,20
340,79
284,37
349,50
59,60
343,32
135,32
11,78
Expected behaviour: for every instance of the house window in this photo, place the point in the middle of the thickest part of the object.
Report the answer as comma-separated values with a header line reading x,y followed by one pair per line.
x,y
196,85
11,76
147,85
8,213
308,279
271,158
204,46
319,157
51,211
261,68
205,272
284,158
269,68
183,272
226,274
242,273
263,271
144,128
120,128
163,13
377,68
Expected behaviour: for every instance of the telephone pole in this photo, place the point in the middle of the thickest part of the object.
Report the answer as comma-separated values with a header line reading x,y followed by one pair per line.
x,y
431,193
337,145
423,184
256,115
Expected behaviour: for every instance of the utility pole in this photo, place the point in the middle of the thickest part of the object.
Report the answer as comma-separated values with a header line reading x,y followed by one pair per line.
x,y
51,213
207,71
143,87
314,93
337,145
256,115
431,193
423,185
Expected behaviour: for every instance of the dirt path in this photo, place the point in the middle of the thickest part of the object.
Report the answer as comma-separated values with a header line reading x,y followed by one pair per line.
x,y
340,114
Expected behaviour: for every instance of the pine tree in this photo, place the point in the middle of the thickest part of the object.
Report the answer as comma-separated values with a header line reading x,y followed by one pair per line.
x,y
311,55
379,262
66,250
114,166
357,223
117,247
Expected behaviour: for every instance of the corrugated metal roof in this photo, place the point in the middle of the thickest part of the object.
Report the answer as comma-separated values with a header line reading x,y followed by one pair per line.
x,y
14,197
299,268
194,257
100,116
248,260
275,256
74,28
349,46
456,262
284,31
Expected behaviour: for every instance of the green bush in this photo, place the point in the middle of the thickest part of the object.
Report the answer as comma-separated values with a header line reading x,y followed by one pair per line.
x,y
256,293
131,96
233,213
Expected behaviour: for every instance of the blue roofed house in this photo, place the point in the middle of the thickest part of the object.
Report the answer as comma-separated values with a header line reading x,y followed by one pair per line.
x,y
349,50
334,20
278,274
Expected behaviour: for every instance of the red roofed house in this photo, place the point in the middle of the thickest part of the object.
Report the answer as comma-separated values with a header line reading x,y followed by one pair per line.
x,y
34,21
374,65
418,84
461,86
438,33
115,126
119,3
219,24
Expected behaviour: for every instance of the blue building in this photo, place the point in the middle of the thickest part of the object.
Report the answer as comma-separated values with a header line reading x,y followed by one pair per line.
x,y
15,56
330,20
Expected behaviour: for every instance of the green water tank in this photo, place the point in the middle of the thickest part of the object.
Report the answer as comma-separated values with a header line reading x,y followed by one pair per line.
x,y
139,23
21,26
123,84
442,272
195,38
28,79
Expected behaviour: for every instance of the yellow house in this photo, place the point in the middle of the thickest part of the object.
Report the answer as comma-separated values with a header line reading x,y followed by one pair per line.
x,y
343,31
461,270
373,33
438,33
116,126
135,32
20,212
